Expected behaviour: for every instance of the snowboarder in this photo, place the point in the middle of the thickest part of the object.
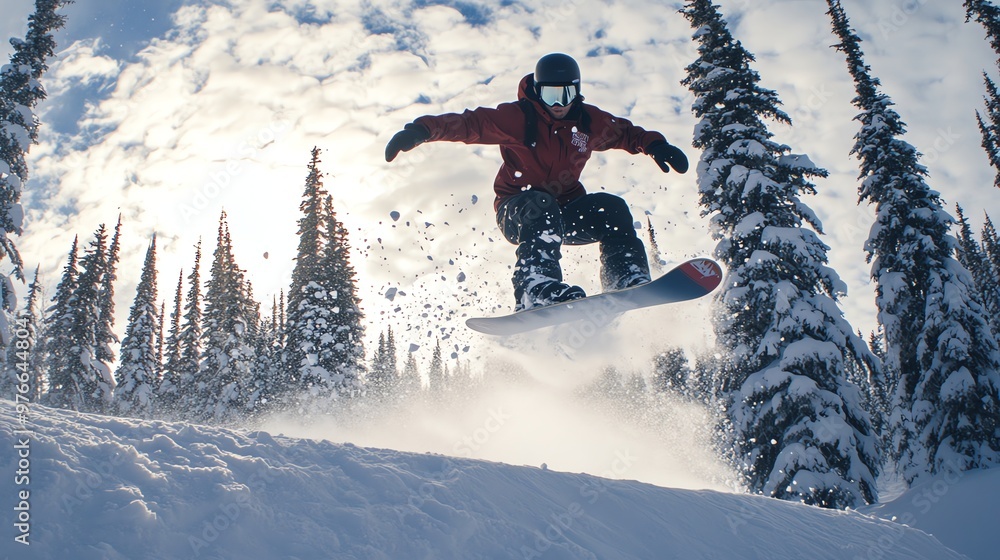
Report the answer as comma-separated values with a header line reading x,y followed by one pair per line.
x,y
545,139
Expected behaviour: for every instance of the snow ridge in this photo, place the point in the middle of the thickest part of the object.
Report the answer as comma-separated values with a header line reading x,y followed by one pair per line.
x,y
112,488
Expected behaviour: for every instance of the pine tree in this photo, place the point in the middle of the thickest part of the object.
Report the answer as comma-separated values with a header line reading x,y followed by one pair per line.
x,y
24,361
382,378
137,373
20,91
938,342
988,15
348,345
178,399
323,351
228,353
671,372
409,379
265,383
991,247
877,392
161,342
168,390
971,255
62,390
989,126
92,377
106,337
799,430
991,272
391,364
436,374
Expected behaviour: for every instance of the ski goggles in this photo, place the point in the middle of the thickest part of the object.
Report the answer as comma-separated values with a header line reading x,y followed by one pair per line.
x,y
557,96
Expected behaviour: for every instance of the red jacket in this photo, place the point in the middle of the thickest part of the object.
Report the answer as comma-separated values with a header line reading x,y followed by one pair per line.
x,y
561,150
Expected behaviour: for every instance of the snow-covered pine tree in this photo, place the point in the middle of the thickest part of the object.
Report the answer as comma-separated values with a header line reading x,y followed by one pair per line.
x,y
20,91
436,373
265,382
281,318
228,353
309,317
24,360
348,344
187,371
409,379
973,258
92,377
989,126
946,413
987,14
106,337
877,392
800,432
991,246
62,390
168,389
671,372
161,342
323,355
391,363
137,373
382,376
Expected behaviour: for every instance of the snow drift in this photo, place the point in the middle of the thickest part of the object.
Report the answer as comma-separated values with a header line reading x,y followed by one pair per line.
x,y
112,488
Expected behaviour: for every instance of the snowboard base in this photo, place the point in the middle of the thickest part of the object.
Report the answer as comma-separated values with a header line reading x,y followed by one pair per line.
x,y
690,280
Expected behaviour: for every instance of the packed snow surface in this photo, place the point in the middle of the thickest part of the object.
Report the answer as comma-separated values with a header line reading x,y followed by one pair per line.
x,y
111,488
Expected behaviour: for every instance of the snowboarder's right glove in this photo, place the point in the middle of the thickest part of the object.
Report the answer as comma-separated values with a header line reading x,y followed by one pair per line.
x,y
405,140
668,156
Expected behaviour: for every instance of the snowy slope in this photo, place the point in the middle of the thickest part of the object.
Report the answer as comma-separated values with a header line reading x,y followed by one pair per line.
x,y
958,509
108,488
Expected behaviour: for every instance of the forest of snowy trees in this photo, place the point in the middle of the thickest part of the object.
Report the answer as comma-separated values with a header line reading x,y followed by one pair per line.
x,y
806,408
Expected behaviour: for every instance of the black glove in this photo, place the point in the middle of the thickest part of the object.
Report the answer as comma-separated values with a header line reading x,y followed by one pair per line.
x,y
405,140
667,156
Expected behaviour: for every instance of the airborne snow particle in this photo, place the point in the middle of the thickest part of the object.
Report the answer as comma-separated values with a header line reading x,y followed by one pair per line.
x,y
637,224
390,294
414,347
475,199
461,277
265,255
394,215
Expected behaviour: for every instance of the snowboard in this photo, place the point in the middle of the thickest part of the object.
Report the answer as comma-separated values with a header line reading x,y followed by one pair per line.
x,y
690,280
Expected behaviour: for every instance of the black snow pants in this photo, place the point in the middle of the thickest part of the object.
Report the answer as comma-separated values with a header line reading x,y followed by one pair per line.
x,y
535,222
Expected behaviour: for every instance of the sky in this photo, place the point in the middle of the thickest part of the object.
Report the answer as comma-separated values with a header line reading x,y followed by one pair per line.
x,y
170,112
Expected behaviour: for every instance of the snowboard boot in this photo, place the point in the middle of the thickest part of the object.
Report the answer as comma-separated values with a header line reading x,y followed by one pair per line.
x,y
548,292
623,263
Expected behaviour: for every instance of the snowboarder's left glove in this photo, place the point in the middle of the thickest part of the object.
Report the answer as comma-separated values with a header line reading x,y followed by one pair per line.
x,y
668,156
405,140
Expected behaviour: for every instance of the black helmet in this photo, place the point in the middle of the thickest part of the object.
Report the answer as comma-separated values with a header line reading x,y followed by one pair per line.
x,y
557,69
